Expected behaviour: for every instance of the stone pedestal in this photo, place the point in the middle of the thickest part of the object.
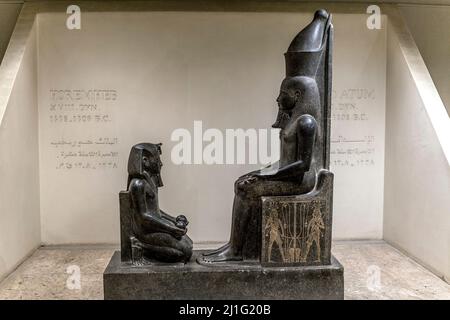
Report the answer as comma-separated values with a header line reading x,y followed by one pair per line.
x,y
230,281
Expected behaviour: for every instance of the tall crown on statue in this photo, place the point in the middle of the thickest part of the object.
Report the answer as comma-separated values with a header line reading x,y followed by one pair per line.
x,y
306,50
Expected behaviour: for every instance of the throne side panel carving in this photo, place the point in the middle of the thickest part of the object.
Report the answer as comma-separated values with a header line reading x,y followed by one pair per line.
x,y
296,230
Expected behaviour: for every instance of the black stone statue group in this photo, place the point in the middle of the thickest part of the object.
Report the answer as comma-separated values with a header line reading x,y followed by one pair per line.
x,y
285,232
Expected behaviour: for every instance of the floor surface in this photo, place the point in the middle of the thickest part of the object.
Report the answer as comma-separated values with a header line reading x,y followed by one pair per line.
x,y
373,270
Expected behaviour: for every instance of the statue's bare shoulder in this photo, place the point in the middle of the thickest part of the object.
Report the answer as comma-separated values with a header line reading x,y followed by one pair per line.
x,y
306,125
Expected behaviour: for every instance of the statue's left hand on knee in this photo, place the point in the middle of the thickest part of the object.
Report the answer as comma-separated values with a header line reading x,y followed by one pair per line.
x,y
246,183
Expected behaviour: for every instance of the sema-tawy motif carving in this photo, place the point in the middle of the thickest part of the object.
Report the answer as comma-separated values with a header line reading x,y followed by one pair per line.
x,y
294,232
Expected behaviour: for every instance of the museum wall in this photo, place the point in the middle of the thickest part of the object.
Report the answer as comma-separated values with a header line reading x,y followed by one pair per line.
x,y
99,91
430,27
19,169
102,90
417,176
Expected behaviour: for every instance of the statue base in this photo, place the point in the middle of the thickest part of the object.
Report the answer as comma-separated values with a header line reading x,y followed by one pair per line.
x,y
227,281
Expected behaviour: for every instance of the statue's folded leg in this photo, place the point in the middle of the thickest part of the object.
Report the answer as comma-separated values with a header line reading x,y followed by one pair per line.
x,y
164,247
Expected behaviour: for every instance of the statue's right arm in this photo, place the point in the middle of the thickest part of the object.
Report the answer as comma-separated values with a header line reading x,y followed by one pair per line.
x,y
151,221
259,171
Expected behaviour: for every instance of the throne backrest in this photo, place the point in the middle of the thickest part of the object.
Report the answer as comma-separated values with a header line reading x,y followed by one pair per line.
x,y
126,230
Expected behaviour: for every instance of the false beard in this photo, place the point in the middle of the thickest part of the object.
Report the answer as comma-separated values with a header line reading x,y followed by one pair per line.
x,y
282,119
159,182
154,178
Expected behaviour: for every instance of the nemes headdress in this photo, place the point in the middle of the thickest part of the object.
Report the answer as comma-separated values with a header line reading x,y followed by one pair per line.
x,y
135,168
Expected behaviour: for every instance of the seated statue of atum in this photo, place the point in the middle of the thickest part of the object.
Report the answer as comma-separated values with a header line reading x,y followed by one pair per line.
x,y
304,140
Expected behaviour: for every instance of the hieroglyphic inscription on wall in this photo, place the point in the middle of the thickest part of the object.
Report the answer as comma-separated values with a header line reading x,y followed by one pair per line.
x,y
353,138
81,122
